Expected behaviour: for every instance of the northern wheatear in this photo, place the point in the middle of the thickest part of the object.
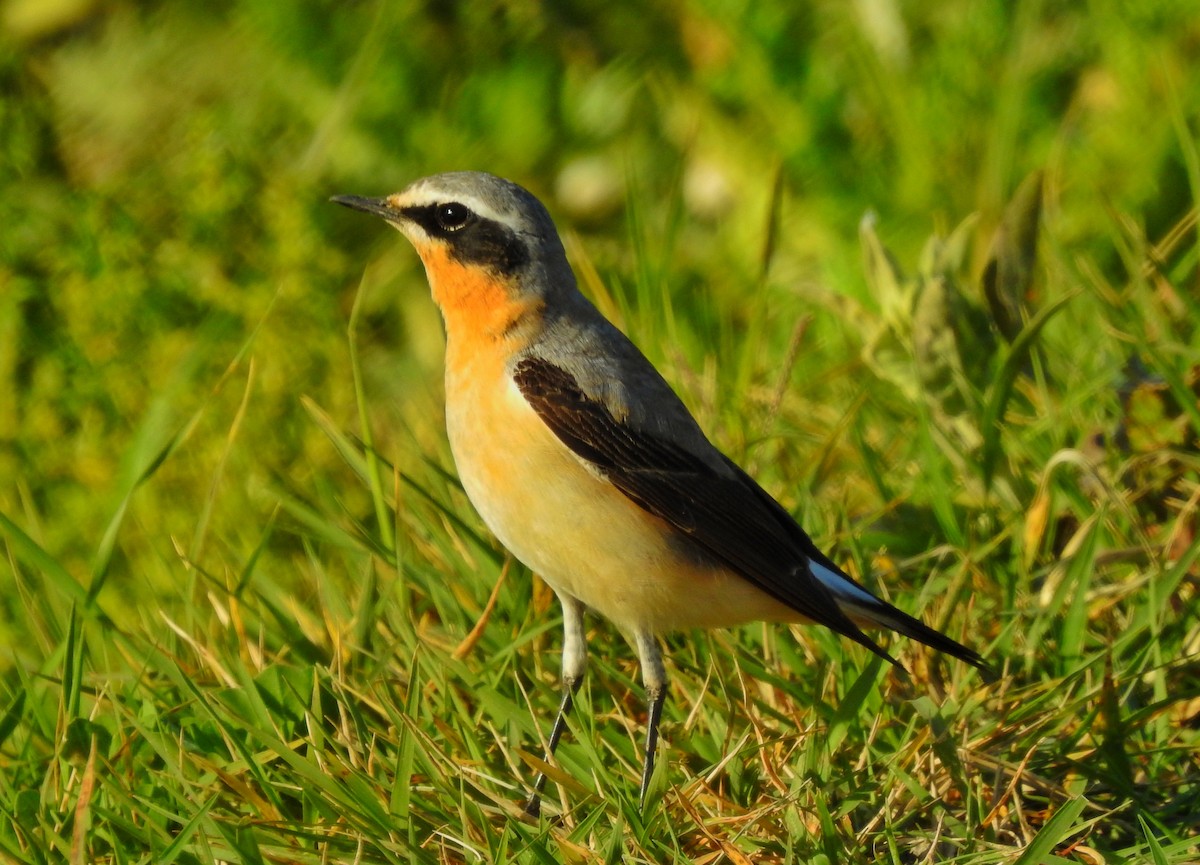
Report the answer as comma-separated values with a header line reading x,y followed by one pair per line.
x,y
585,464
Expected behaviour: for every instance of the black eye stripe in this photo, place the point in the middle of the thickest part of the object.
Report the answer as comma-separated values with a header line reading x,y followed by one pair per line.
x,y
473,240
444,218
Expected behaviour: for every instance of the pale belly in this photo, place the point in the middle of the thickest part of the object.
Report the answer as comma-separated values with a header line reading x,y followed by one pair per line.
x,y
578,532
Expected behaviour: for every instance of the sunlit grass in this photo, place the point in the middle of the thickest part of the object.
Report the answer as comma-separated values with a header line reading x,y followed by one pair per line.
x,y
249,614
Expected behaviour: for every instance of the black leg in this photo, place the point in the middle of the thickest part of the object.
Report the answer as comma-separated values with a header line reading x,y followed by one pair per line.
x,y
574,663
533,806
655,697
654,675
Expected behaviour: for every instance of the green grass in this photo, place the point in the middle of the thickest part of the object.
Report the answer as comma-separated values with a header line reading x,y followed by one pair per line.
x,y
247,613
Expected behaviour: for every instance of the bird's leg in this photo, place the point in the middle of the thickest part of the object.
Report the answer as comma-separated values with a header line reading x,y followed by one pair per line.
x,y
574,663
655,678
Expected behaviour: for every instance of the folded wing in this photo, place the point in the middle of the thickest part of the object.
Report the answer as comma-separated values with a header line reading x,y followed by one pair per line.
x,y
718,507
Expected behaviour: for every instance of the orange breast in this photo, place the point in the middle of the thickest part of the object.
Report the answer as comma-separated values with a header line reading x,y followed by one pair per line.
x,y
573,528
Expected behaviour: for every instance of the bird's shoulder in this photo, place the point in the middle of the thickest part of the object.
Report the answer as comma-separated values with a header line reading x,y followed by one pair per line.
x,y
585,370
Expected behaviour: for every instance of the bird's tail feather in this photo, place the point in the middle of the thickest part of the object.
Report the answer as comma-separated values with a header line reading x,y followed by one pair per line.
x,y
864,607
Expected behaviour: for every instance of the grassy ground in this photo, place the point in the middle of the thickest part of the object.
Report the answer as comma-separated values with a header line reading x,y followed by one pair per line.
x,y
233,633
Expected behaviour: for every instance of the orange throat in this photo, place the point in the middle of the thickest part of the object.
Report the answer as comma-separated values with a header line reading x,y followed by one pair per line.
x,y
475,303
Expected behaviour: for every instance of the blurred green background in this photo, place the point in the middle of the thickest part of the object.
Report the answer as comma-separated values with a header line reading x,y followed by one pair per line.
x,y
175,294
166,168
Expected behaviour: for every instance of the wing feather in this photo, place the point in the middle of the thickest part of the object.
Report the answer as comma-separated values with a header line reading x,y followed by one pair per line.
x,y
716,505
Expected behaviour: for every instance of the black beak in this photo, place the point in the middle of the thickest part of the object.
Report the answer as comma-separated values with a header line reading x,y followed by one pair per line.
x,y
377,206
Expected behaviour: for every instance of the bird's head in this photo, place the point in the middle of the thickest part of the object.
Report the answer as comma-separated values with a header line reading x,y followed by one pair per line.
x,y
482,239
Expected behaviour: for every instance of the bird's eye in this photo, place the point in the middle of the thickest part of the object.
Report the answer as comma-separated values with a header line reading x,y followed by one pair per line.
x,y
452,216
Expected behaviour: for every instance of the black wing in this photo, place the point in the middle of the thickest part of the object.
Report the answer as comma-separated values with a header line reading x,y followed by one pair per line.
x,y
725,514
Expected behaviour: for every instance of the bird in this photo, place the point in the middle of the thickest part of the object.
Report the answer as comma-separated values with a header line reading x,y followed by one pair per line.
x,y
586,465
